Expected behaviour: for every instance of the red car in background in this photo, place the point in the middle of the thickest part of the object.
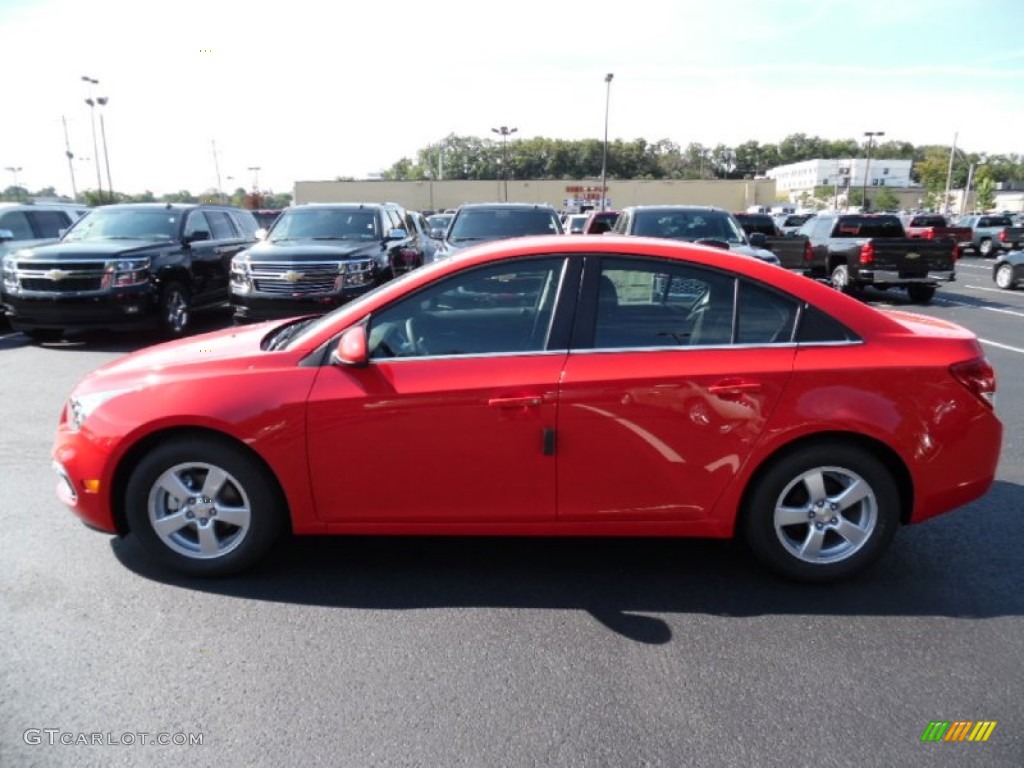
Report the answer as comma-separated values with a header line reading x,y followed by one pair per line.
x,y
600,222
614,386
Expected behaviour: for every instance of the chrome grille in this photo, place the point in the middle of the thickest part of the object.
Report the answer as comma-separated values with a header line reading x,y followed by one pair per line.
x,y
296,279
60,276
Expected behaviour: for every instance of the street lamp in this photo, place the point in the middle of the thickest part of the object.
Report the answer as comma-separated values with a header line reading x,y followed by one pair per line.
x,y
970,177
255,177
14,169
604,154
867,164
504,132
102,101
95,146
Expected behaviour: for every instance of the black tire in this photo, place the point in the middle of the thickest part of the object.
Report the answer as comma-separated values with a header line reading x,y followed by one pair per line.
x,y
1004,278
839,278
237,522
175,309
784,492
42,335
985,247
920,294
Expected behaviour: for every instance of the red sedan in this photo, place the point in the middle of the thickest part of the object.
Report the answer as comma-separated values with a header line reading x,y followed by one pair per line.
x,y
545,386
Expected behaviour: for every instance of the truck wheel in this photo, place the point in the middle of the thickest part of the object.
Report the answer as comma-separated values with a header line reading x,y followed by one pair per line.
x,y
985,247
822,512
1004,277
920,294
840,278
175,309
40,335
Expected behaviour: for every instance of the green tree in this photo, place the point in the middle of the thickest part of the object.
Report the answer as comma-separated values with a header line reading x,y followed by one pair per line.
x,y
885,200
985,199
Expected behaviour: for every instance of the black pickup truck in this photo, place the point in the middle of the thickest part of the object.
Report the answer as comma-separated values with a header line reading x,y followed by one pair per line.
x,y
793,250
126,266
857,250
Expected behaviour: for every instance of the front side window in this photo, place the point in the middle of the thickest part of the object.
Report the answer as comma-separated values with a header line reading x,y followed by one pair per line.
x,y
503,308
197,223
50,223
17,222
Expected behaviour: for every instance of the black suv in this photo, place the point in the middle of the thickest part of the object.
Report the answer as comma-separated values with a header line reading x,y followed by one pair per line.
x,y
478,222
320,255
127,266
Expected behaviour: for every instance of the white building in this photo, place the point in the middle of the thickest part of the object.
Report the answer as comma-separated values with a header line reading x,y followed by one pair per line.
x,y
797,178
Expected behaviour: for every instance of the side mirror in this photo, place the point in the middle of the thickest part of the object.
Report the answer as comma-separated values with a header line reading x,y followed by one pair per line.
x,y
437,233
197,236
5,235
261,233
351,349
396,234
758,240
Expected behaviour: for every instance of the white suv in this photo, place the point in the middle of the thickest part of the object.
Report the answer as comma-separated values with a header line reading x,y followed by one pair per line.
x,y
27,224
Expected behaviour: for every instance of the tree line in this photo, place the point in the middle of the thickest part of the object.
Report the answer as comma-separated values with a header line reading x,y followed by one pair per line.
x,y
240,198
471,157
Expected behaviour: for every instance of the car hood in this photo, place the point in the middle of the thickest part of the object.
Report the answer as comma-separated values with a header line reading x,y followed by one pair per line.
x,y
311,250
92,249
217,353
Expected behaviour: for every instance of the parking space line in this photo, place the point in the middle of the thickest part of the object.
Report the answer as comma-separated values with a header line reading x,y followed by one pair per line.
x,y
1004,311
1002,346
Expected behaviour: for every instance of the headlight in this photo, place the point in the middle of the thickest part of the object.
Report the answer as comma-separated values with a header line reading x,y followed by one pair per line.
x,y
80,407
354,272
10,276
241,276
125,272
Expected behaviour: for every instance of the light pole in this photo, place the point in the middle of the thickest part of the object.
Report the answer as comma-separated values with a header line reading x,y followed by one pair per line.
x,y
504,132
867,164
95,146
604,153
970,177
256,202
949,176
14,170
102,101
71,159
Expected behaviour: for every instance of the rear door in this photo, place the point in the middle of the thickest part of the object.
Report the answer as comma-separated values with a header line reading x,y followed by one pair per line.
x,y
674,371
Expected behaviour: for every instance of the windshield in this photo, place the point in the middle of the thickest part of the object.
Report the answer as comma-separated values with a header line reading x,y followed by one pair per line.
x,y
499,223
112,224
329,224
689,225
439,220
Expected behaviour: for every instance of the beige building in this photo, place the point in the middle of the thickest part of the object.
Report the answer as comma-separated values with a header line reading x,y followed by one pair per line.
x,y
560,193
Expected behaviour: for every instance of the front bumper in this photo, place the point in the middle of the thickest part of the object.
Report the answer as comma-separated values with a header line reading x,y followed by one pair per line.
x,y
254,307
85,478
128,308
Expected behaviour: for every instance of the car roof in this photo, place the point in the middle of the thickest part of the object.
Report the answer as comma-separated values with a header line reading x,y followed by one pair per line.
x,y
517,206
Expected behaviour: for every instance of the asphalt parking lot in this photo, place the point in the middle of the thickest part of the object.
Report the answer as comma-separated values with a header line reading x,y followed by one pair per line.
x,y
481,652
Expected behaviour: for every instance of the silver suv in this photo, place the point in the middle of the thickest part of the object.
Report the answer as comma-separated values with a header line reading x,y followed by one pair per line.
x,y
27,224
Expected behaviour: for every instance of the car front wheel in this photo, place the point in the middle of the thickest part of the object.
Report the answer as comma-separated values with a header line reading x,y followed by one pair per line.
x,y
203,506
175,309
822,513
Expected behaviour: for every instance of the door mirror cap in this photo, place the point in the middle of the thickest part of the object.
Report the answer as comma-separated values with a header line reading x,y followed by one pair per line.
x,y
5,235
351,349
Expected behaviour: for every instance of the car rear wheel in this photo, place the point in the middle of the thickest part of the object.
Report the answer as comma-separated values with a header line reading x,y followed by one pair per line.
x,y
175,309
822,513
1004,277
840,278
203,506
985,247
921,294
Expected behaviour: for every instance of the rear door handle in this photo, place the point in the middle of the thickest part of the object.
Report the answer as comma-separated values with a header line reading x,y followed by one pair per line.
x,y
515,402
733,387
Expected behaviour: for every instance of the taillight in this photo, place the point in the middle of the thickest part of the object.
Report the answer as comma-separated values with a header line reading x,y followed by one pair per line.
x,y
808,251
1002,236
929,234
867,253
956,251
979,377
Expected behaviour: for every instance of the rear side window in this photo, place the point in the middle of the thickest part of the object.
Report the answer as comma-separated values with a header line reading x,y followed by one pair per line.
x,y
816,327
50,223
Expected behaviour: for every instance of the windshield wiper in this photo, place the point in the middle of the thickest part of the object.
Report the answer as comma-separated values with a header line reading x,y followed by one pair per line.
x,y
465,239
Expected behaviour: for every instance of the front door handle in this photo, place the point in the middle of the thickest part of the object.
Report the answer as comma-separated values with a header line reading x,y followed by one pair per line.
x,y
531,401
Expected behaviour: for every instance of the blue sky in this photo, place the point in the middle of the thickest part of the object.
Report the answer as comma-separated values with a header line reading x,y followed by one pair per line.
x,y
307,89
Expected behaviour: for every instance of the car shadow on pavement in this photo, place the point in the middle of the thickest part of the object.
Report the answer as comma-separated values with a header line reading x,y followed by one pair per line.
x,y
966,564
